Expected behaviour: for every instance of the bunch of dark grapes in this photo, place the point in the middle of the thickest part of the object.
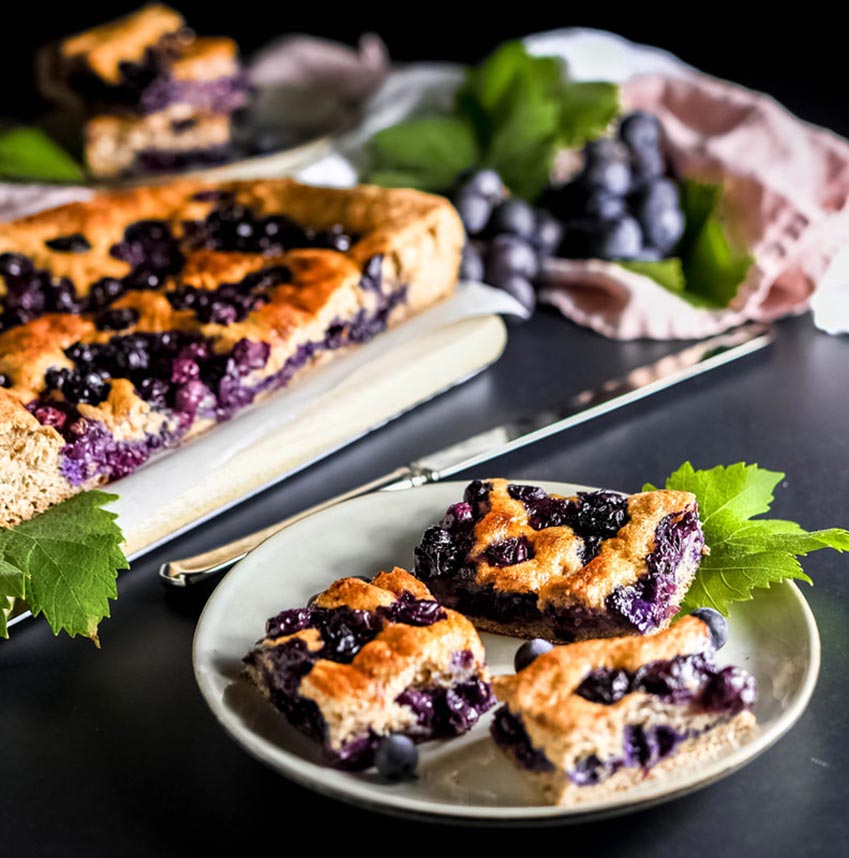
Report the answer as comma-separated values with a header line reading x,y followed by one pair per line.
x,y
623,205
508,238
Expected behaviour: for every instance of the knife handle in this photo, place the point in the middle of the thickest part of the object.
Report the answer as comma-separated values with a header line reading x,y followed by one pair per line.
x,y
191,570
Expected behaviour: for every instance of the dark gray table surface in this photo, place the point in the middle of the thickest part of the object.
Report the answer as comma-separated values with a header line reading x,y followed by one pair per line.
x,y
113,752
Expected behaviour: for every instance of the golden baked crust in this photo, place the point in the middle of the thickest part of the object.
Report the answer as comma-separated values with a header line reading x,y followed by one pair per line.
x,y
556,571
569,729
414,239
205,58
126,39
521,561
360,697
544,692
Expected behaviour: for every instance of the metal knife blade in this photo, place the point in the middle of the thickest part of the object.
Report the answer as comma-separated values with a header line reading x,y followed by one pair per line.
x,y
637,384
616,393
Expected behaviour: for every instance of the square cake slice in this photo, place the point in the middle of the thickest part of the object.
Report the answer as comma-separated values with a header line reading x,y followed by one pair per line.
x,y
366,659
519,561
586,720
113,63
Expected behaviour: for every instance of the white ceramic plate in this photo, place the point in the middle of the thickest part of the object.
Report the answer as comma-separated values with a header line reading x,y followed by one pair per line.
x,y
774,636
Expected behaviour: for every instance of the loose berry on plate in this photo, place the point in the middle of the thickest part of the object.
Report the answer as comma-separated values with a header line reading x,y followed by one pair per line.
x,y
717,624
397,758
529,651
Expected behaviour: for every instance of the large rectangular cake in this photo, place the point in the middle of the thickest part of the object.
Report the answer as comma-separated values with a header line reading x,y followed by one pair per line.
x,y
136,320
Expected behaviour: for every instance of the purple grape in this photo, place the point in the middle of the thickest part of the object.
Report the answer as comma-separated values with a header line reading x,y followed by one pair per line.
x,y
659,214
605,150
649,254
471,264
117,319
509,552
620,238
509,255
612,177
474,211
604,206
487,183
513,217
548,233
640,131
522,290
647,167
529,651
731,690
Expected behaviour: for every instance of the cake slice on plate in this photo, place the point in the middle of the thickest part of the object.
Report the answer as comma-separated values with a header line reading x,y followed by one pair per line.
x,y
519,561
586,720
366,659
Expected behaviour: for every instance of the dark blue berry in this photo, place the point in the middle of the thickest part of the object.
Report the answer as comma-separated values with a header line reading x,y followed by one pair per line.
x,y
548,233
471,264
529,651
612,177
640,131
604,206
717,624
397,758
474,211
604,150
509,255
487,183
647,167
522,290
514,217
620,238
659,214
117,319
509,552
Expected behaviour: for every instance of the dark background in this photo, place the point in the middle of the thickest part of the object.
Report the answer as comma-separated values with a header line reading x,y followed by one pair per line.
x,y
799,55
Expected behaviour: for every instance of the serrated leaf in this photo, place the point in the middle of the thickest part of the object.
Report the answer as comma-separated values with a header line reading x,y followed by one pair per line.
x,y
430,151
28,153
745,553
725,578
727,495
586,110
68,558
666,272
714,269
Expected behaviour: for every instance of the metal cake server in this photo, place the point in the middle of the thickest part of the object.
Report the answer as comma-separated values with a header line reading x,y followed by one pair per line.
x,y
637,384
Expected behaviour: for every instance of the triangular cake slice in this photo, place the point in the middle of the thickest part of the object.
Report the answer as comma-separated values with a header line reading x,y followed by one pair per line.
x,y
586,720
519,561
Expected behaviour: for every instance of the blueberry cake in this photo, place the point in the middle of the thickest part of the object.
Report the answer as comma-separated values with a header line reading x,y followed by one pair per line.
x,y
136,320
152,95
519,561
366,659
586,720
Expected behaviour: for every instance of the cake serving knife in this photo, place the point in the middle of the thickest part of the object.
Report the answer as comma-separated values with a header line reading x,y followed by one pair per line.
x,y
637,384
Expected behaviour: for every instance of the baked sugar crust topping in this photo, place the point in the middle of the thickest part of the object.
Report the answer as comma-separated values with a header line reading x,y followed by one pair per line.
x,y
372,657
180,304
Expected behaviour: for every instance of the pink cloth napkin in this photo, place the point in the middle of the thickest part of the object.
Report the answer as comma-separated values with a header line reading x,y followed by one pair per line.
x,y
786,198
